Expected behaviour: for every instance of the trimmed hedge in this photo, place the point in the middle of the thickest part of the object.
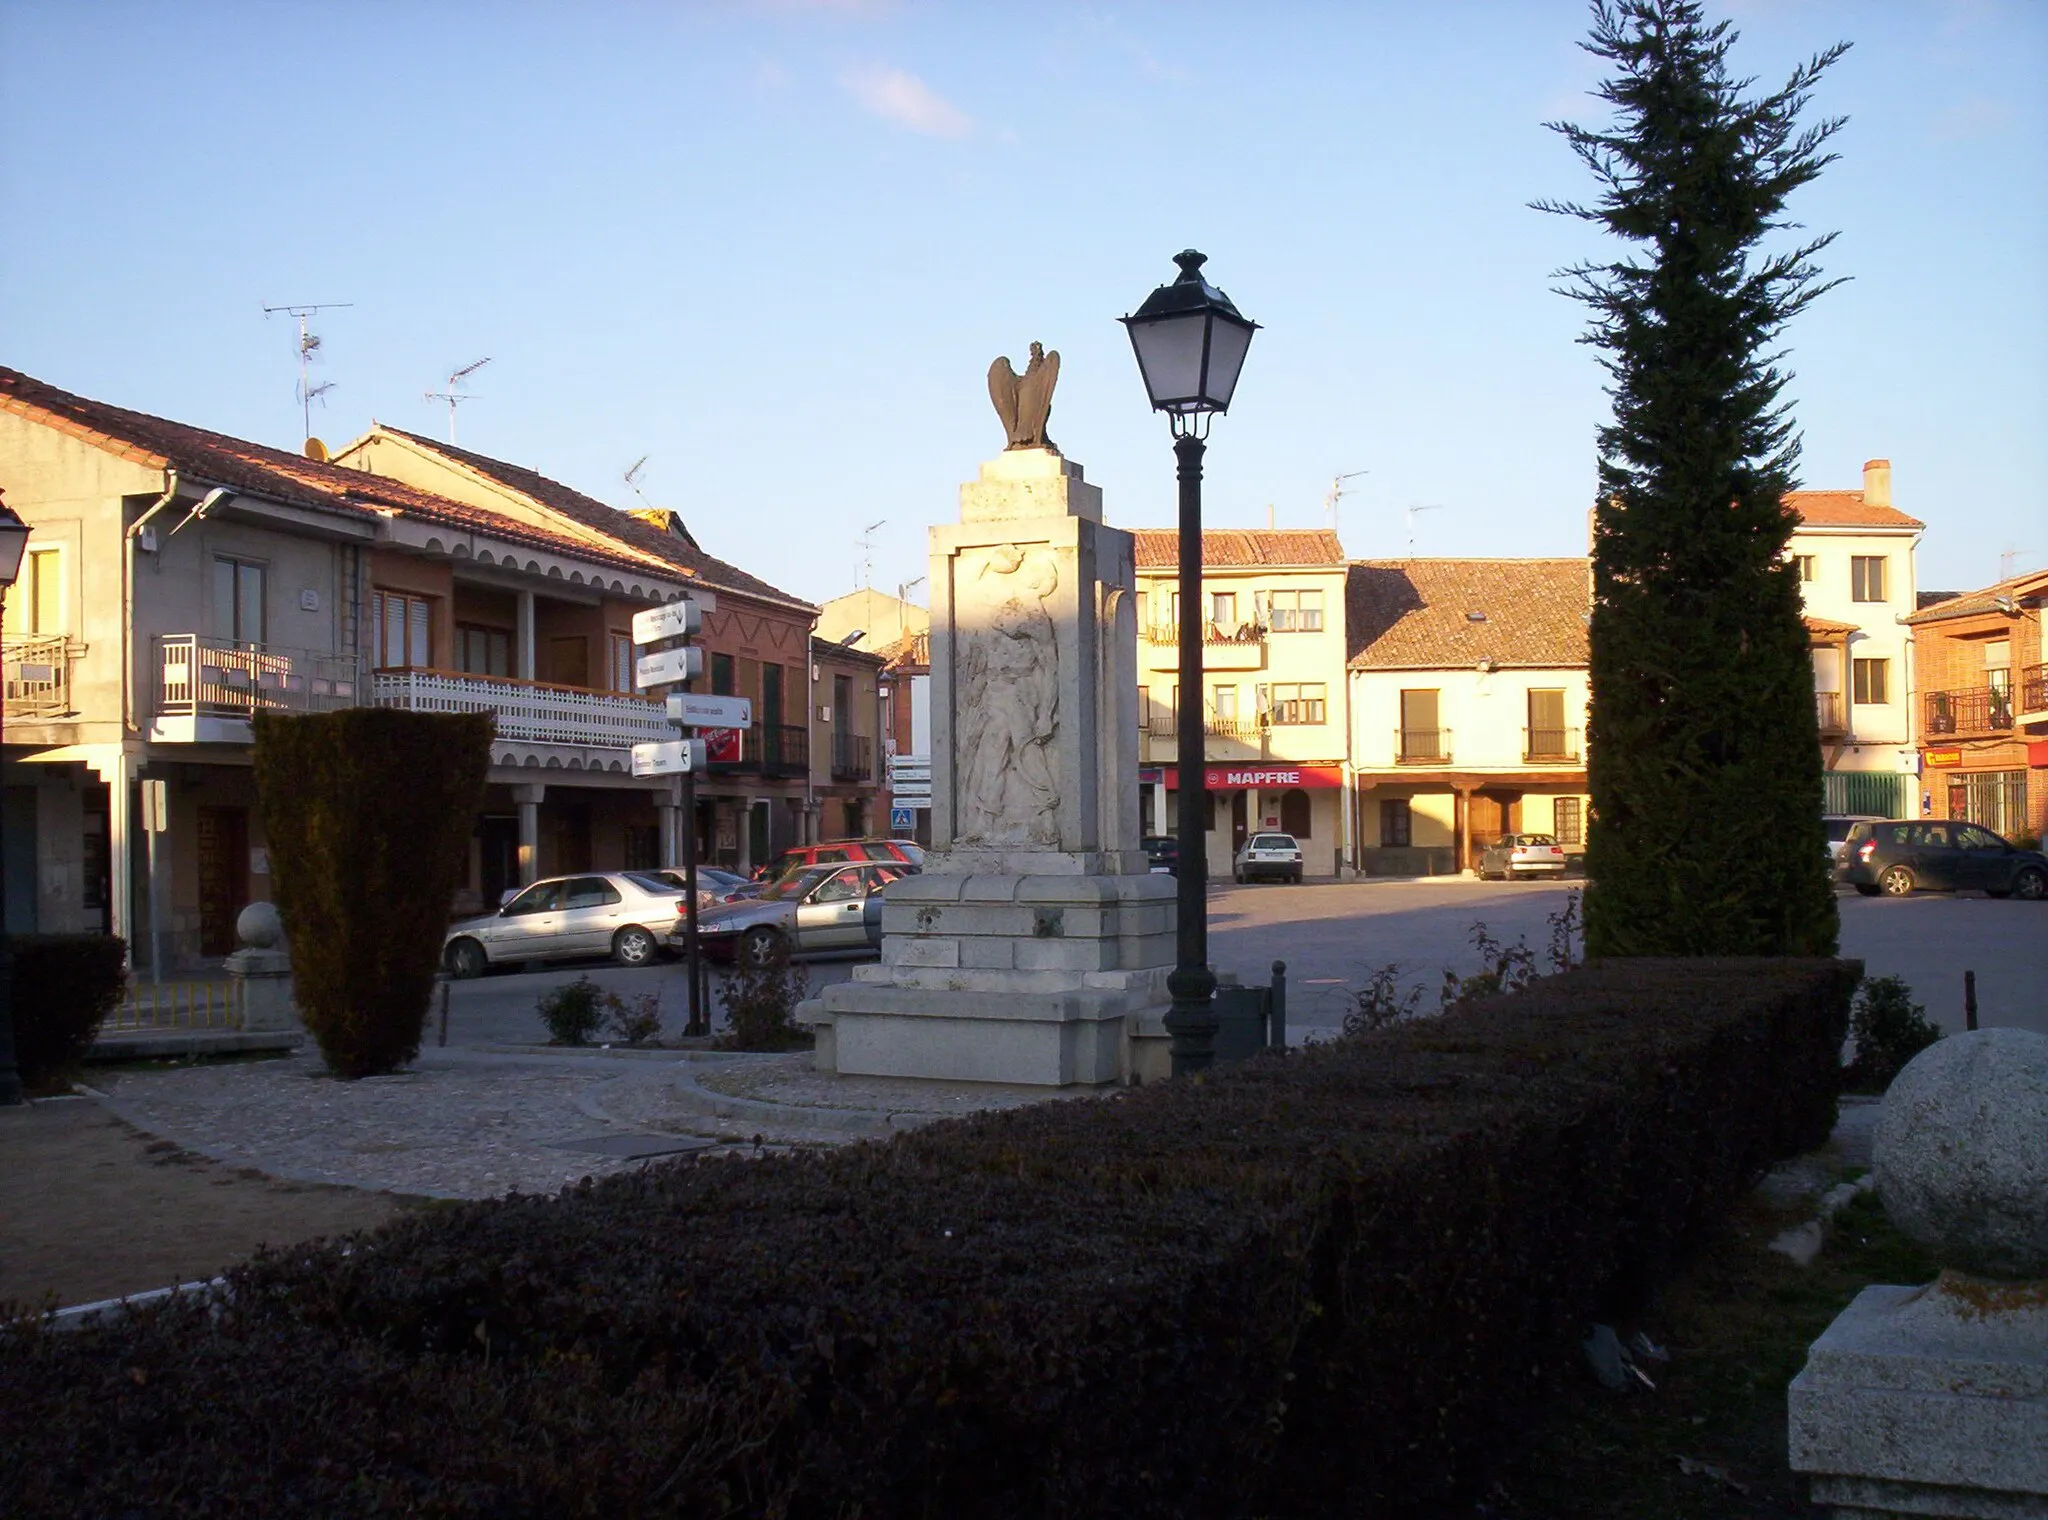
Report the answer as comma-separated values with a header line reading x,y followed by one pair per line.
x,y
1311,1285
65,985
369,813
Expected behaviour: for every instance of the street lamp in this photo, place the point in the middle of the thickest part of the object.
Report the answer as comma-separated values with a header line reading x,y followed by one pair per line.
x,y
1190,342
13,542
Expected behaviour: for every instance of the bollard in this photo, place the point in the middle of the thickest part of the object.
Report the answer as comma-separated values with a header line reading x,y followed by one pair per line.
x,y
446,982
1276,1022
1969,1000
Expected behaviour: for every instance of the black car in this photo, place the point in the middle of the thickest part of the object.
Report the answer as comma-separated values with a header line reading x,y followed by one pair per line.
x,y
1162,854
1898,856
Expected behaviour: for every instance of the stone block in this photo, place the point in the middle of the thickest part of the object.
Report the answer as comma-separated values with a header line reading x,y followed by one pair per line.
x,y
988,954
1029,483
923,952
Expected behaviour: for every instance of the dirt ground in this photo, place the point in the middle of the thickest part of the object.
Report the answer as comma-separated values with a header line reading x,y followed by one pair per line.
x,y
91,1209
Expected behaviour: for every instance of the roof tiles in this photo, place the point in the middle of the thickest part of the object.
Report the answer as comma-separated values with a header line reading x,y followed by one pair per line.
x,y
1845,509
1231,548
1420,614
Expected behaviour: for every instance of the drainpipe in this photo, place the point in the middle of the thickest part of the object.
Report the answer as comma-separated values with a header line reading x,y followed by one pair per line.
x,y
134,530
811,828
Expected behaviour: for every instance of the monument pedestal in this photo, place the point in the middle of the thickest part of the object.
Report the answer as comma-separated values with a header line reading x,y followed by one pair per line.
x,y
1035,946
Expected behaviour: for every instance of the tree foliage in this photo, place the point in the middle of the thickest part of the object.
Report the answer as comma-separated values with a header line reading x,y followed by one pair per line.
x,y
1703,744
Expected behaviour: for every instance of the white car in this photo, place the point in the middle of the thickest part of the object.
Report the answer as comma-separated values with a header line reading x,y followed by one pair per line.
x,y
627,915
1275,855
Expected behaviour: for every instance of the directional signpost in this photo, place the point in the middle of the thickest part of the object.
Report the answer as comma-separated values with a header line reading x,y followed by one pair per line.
x,y
675,666
690,710
669,757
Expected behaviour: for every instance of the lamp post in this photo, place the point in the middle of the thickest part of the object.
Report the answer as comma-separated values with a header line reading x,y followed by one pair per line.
x,y
13,541
1190,342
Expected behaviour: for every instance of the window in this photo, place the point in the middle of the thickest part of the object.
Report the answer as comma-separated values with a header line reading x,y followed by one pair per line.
x,y
1226,704
1223,610
1809,567
483,651
1994,800
1397,823
1866,578
1295,812
237,600
622,661
721,676
1167,719
1546,725
403,627
1302,702
35,605
1295,611
542,897
1871,682
1144,708
770,710
591,892
1566,822
1421,739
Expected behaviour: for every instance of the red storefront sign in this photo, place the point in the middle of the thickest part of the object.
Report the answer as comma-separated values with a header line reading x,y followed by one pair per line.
x,y
722,745
1268,777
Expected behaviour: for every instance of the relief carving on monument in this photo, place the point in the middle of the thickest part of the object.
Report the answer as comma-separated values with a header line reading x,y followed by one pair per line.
x,y
1007,699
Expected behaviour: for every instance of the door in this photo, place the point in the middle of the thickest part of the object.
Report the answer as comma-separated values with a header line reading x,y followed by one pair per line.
x,y
1934,856
1240,823
830,916
530,926
569,661
223,837
498,867
592,910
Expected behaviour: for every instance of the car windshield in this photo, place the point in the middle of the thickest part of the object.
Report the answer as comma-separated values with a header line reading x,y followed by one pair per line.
x,y
1272,842
796,884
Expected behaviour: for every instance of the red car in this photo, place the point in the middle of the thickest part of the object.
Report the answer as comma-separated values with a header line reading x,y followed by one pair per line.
x,y
831,852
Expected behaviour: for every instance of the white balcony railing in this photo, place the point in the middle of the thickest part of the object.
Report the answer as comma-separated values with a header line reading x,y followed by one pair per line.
x,y
217,678
36,672
528,712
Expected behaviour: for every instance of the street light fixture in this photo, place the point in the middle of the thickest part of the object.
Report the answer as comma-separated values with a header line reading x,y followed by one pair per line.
x,y
1190,342
13,543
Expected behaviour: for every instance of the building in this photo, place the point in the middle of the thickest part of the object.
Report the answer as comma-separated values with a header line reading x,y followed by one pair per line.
x,y
179,581
878,618
849,766
1468,698
764,790
1983,695
1854,550
1273,692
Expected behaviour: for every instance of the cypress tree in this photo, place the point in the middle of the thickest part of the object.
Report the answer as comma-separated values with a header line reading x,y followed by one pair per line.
x,y
1703,745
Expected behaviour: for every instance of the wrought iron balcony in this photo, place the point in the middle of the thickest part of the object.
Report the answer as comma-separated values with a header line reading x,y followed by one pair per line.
x,y
1549,744
1422,746
1248,729
2034,691
36,672
528,712
1969,710
1212,633
785,749
853,757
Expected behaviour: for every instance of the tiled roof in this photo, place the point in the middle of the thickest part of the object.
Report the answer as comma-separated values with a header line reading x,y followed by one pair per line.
x,y
1412,614
2027,589
626,527
1159,548
277,475
1845,509
1828,625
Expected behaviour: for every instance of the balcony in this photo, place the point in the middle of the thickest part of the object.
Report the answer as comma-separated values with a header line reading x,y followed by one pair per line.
x,y
1422,746
2033,694
1828,708
1970,710
785,749
853,757
1247,729
36,670
207,690
1239,648
1548,746
529,712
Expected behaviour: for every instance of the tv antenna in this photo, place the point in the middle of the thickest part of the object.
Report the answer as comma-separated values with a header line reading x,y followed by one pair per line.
x,y
867,554
455,397
2008,561
1433,506
632,479
309,345
1337,493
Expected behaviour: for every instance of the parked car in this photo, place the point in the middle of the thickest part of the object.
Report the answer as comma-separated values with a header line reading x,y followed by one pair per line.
x,y
1523,855
824,907
624,914
1837,826
902,851
1274,855
1162,854
1902,855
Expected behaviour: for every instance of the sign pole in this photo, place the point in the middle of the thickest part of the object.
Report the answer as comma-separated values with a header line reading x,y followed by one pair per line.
x,y
687,785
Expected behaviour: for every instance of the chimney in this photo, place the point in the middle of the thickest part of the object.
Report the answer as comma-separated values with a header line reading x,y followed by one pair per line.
x,y
1877,482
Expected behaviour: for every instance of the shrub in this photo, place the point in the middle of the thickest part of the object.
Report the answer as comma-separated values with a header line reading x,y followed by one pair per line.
x,y
633,1021
369,814
572,1012
760,1004
65,985
1889,1029
1318,1285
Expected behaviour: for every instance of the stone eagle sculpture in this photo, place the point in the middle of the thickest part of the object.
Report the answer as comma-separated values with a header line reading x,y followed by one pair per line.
x,y
1024,402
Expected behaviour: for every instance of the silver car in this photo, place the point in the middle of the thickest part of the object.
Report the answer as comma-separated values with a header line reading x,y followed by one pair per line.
x,y
627,915
1268,854
824,907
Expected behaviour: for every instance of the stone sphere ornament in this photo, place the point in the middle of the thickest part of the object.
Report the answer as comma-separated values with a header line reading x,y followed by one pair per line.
x,y
259,927
1961,1152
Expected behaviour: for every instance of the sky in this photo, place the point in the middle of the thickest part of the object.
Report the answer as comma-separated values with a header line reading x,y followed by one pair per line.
x,y
773,245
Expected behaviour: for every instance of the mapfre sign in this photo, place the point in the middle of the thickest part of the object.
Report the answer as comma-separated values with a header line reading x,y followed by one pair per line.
x,y
1269,778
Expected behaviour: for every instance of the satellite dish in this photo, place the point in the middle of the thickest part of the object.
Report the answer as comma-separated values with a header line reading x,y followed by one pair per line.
x,y
317,451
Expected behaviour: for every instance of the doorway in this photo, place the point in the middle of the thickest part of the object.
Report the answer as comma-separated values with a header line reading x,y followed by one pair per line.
x,y
223,876
1240,828
498,865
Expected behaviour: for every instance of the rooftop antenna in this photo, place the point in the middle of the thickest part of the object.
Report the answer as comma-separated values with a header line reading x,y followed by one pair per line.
x,y
867,554
1337,493
455,397
632,479
2008,561
1433,506
309,345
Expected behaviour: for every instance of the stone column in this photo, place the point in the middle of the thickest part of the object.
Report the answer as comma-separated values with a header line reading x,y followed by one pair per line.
x,y
116,765
528,795
522,637
672,826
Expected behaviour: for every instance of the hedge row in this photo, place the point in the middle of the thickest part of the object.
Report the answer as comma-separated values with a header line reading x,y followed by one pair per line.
x,y
1313,1285
64,986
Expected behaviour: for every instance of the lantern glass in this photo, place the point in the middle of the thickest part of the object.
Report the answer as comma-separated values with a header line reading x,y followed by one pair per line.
x,y
1190,342
1228,343
1170,358
13,541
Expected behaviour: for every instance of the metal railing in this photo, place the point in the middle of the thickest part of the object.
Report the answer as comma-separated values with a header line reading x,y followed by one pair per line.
x,y
1549,744
202,677
1422,746
1212,633
1827,705
36,671
1971,710
1232,728
853,757
149,1006
785,749
2034,688
528,712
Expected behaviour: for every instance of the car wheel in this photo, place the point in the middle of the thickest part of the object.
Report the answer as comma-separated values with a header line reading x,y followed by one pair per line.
x,y
1864,889
1296,876
1897,881
466,959
1238,877
634,946
759,947
2031,885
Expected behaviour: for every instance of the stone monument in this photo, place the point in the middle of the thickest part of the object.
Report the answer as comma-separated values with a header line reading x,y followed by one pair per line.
x,y
1934,1400
1035,946
261,971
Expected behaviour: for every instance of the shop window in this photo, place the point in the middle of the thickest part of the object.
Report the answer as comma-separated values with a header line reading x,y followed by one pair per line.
x,y
1397,823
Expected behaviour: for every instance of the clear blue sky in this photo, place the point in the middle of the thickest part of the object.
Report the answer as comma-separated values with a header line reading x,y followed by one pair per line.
x,y
775,245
